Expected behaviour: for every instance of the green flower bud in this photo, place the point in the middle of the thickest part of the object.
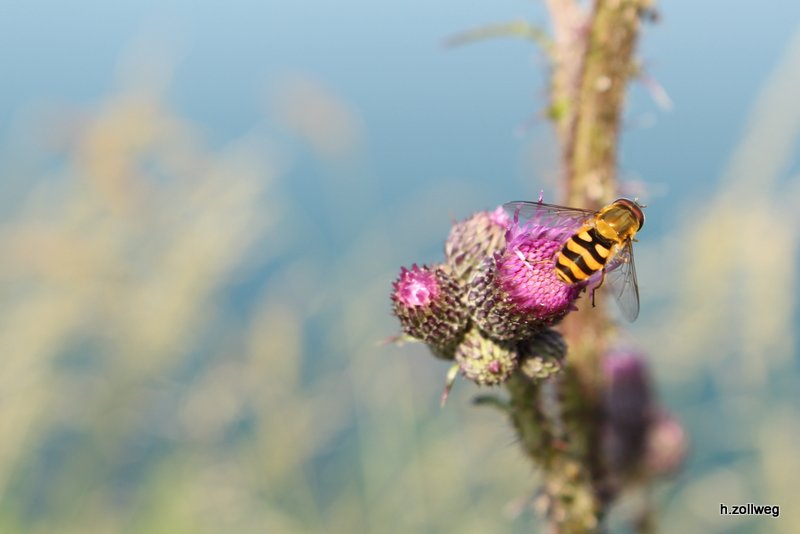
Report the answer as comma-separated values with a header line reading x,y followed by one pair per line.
x,y
485,361
542,356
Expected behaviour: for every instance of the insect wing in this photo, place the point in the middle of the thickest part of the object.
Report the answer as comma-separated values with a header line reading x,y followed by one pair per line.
x,y
621,279
548,214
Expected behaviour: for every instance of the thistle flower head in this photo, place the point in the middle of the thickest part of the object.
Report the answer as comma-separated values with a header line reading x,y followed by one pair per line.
x,y
416,287
428,302
492,311
629,396
526,271
484,360
516,293
472,240
629,409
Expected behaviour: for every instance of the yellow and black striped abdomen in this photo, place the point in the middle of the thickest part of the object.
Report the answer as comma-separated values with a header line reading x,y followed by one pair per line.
x,y
582,255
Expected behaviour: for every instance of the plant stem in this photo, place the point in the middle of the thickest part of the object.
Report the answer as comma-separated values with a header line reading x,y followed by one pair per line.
x,y
590,150
593,61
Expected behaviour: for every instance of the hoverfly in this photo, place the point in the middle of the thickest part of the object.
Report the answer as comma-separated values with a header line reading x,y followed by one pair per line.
x,y
602,244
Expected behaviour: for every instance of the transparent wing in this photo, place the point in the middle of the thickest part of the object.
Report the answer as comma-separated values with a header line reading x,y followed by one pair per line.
x,y
548,214
621,279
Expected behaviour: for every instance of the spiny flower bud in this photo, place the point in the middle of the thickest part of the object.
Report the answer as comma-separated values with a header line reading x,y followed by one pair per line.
x,y
492,310
485,361
629,408
428,303
473,240
542,356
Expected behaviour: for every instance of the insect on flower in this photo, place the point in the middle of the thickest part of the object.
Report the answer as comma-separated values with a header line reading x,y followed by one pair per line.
x,y
601,245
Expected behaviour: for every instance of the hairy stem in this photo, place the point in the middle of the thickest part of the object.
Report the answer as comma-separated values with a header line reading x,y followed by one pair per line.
x,y
590,149
593,56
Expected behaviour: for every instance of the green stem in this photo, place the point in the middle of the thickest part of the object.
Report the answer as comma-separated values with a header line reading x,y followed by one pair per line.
x,y
593,62
590,153
528,417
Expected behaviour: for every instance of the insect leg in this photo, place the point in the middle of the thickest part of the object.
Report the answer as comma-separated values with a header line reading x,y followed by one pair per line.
x,y
599,285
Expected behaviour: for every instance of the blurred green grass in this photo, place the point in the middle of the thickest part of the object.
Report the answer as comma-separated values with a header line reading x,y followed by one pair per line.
x,y
141,394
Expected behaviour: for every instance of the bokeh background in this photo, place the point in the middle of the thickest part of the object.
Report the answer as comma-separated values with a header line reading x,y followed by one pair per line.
x,y
202,206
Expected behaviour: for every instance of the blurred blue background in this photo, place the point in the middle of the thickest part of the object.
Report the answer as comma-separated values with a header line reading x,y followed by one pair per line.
x,y
203,207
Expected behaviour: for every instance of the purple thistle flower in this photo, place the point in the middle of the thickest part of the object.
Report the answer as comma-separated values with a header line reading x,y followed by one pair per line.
x,y
629,397
526,270
416,287
428,303
516,293
630,409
